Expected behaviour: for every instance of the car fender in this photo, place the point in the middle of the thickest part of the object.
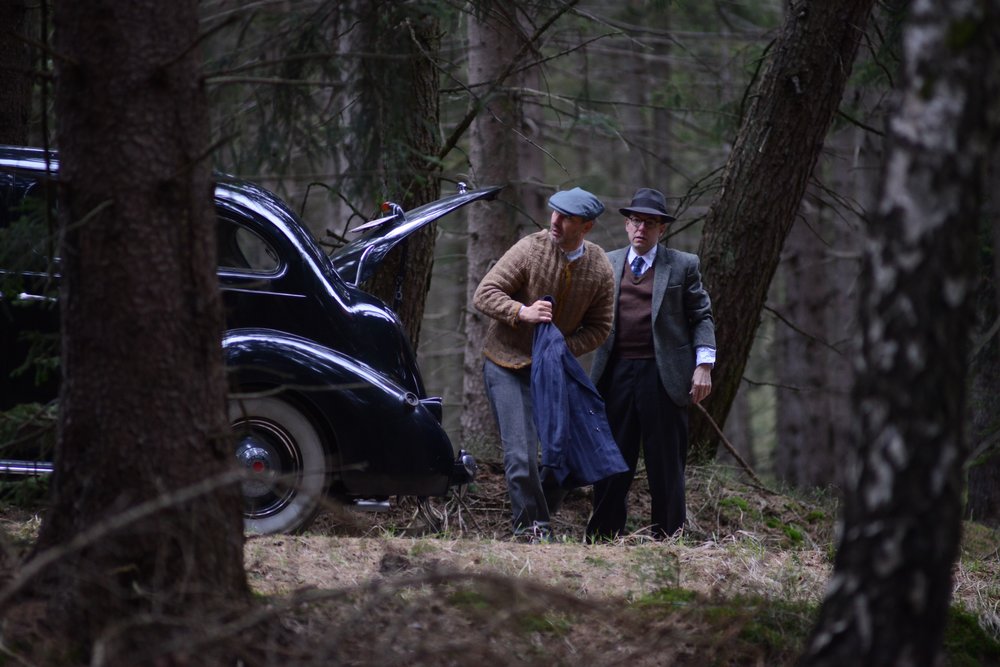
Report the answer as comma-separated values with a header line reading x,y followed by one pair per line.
x,y
375,430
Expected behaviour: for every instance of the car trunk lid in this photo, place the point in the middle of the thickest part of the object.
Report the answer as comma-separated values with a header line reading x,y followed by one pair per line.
x,y
357,261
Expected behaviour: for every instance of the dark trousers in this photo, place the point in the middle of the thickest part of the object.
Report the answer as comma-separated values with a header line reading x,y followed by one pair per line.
x,y
641,415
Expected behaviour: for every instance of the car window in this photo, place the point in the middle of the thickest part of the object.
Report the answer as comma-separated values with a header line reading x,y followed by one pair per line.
x,y
26,244
240,249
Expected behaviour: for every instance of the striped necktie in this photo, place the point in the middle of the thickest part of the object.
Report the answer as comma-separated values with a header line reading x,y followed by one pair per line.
x,y
638,266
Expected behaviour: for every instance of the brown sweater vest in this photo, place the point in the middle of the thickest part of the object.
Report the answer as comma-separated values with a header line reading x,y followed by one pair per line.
x,y
634,331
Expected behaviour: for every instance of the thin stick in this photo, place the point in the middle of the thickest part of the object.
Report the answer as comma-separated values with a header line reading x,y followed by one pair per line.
x,y
732,450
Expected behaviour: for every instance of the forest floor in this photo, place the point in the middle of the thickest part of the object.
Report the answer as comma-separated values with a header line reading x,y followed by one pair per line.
x,y
447,586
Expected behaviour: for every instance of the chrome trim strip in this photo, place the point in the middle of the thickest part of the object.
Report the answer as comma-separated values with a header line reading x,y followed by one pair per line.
x,y
14,467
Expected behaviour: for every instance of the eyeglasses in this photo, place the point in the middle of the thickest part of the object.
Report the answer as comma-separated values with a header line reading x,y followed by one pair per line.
x,y
637,222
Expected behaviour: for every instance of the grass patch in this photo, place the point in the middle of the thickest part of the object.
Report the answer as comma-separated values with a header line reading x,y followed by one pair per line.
x,y
979,541
666,597
597,561
555,625
423,547
469,599
735,502
740,630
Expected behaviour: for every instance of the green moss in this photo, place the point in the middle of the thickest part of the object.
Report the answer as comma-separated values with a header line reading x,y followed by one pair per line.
x,y
793,534
771,631
469,599
966,644
815,516
979,541
778,628
736,502
546,624
666,597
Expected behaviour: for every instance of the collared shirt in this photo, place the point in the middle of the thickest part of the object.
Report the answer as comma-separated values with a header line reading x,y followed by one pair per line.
x,y
703,355
575,254
647,259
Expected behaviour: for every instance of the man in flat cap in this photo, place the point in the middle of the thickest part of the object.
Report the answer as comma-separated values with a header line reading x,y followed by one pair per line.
x,y
556,262
657,361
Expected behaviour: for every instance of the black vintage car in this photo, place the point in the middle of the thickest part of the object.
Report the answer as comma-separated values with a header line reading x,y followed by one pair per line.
x,y
327,399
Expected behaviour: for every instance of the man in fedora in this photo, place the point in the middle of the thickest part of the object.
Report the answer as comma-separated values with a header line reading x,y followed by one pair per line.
x,y
657,360
556,262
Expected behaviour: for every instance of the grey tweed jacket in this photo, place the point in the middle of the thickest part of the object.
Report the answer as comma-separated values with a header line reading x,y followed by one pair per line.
x,y
682,319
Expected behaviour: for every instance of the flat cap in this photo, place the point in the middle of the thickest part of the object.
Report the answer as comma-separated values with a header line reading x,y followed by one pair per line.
x,y
576,202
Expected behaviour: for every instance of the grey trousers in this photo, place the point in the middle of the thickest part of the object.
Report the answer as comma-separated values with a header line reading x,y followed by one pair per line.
x,y
509,392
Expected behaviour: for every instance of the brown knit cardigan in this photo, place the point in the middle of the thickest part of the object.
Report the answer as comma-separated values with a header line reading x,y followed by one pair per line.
x,y
533,268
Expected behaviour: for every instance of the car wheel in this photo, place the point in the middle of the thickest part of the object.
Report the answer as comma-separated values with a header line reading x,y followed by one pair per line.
x,y
282,451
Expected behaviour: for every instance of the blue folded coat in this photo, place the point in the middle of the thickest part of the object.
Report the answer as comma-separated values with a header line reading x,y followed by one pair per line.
x,y
577,445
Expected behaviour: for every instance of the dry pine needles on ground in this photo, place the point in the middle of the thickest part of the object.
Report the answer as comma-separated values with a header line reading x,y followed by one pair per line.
x,y
441,584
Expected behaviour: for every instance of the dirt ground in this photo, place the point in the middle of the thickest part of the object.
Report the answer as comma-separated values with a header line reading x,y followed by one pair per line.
x,y
472,534
445,585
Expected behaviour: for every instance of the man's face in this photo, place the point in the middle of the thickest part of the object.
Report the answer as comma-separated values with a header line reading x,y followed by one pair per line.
x,y
644,231
568,230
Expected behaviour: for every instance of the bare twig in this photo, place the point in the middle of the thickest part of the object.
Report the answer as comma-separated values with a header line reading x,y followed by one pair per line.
x,y
480,102
732,450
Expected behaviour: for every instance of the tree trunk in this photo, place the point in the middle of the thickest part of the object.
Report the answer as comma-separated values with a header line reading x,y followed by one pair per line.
x,y
494,40
795,353
15,72
143,389
984,434
810,368
984,398
400,90
888,598
764,180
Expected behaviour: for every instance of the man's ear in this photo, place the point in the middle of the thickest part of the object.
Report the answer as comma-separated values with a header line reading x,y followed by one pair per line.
x,y
587,226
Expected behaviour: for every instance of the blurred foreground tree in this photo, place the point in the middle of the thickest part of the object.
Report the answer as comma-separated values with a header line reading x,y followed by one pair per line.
x,y
888,599
127,552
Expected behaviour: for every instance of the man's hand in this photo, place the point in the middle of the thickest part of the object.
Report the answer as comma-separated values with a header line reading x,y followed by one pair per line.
x,y
701,383
539,311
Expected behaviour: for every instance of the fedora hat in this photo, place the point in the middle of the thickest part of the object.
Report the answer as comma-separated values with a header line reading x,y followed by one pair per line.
x,y
649,202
